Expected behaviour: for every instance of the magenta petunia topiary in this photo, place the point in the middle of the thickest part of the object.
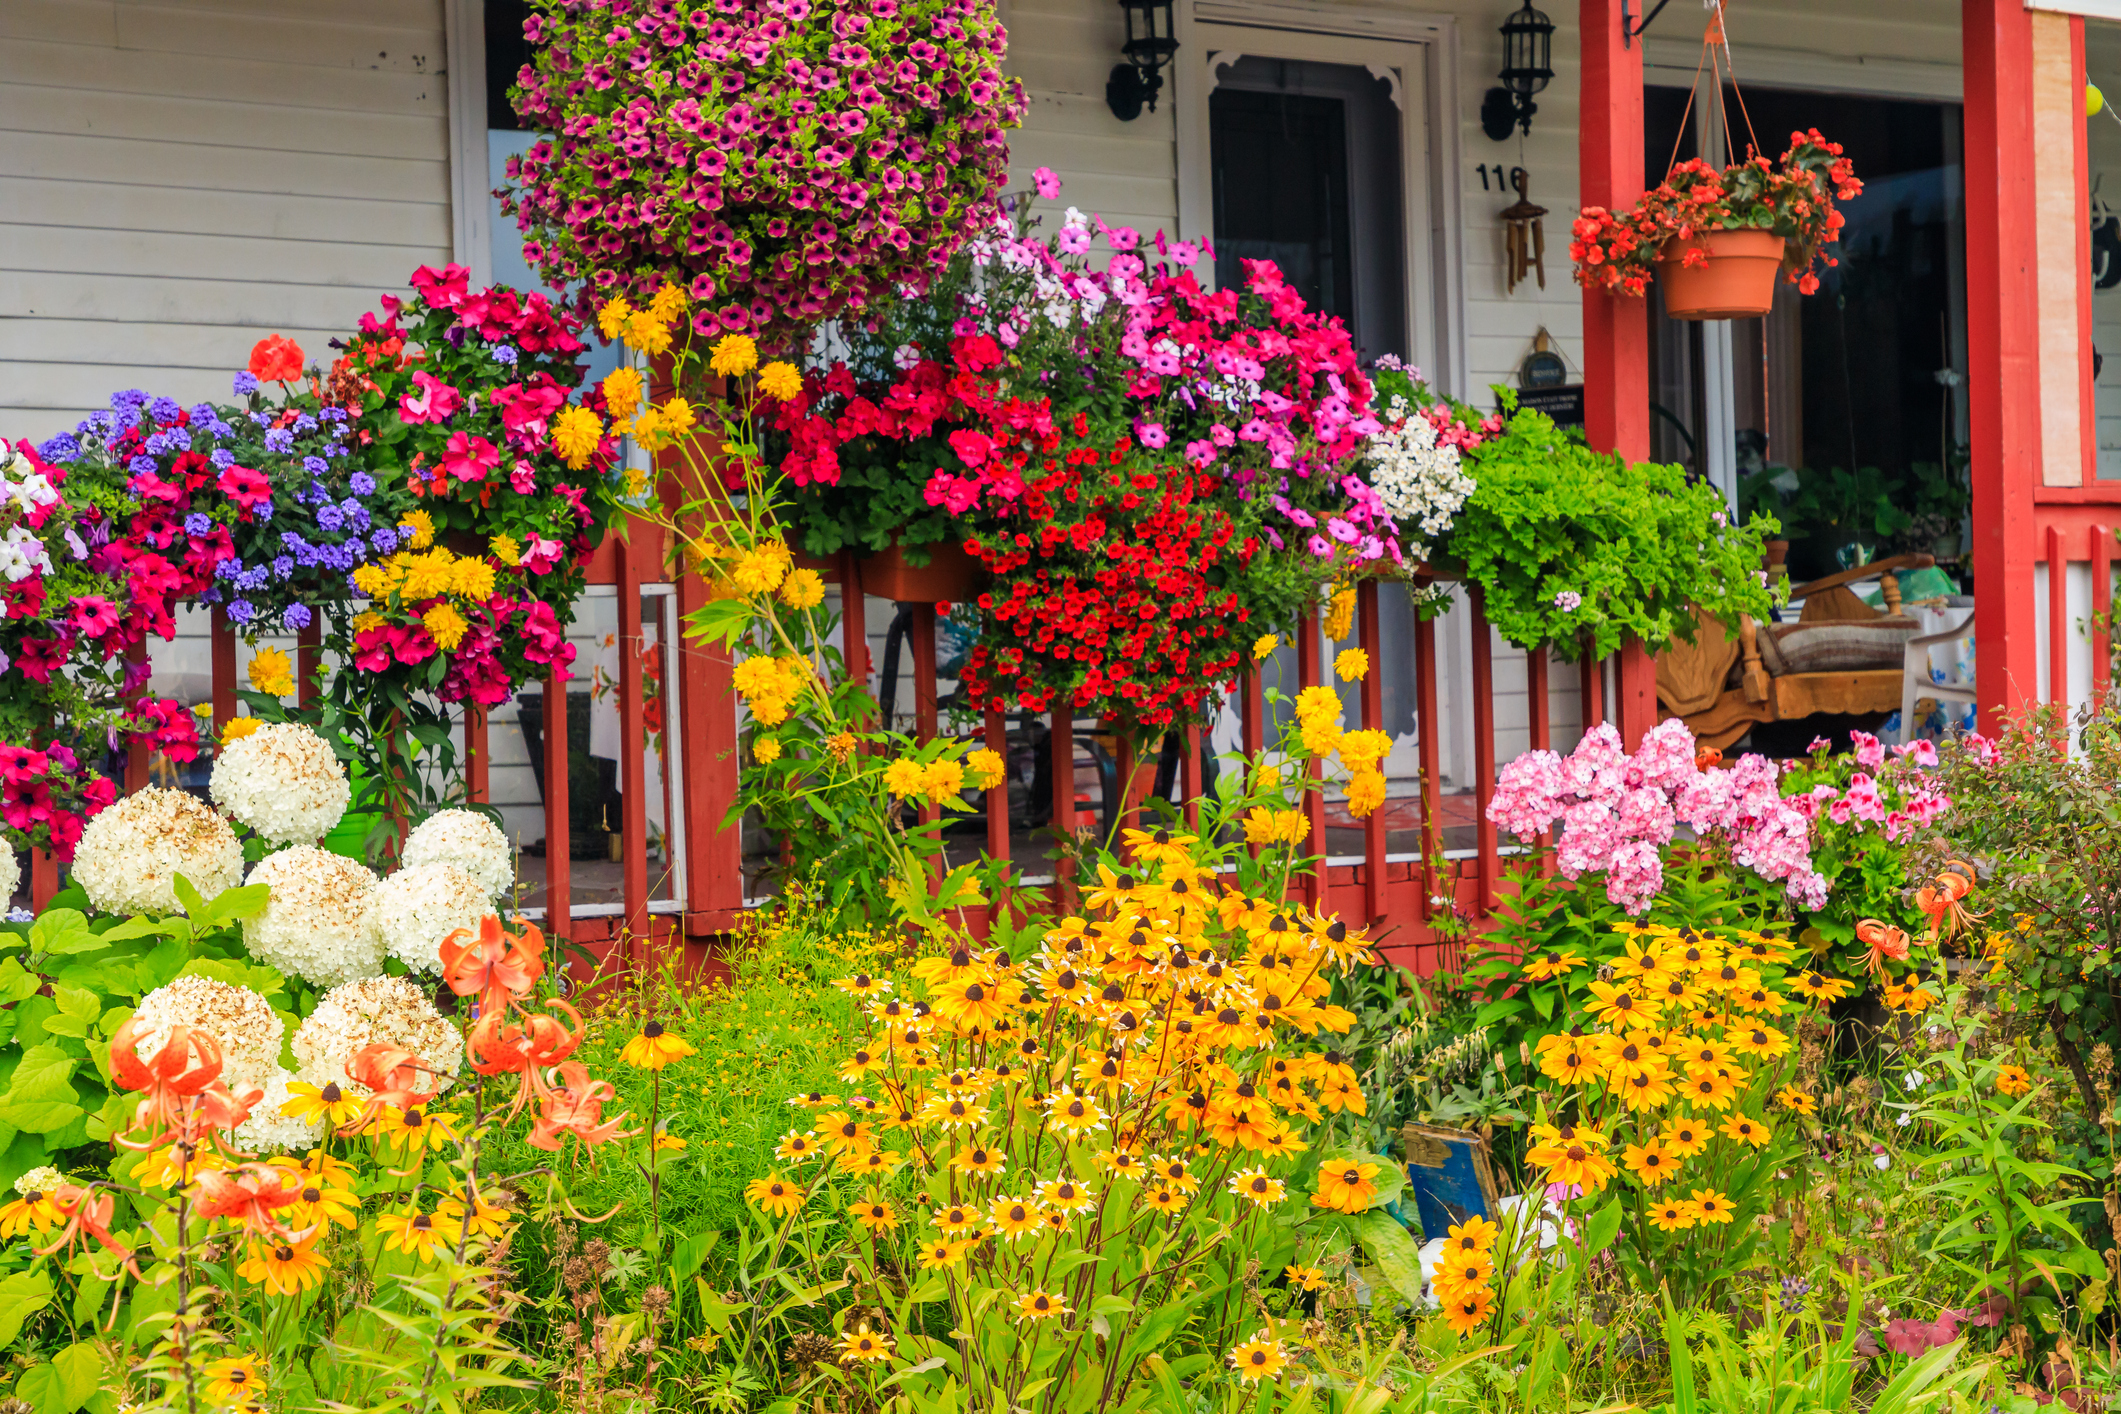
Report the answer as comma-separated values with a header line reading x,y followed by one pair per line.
x,y
788,162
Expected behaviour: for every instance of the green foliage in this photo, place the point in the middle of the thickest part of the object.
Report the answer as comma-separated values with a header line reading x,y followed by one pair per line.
x,y
1641,545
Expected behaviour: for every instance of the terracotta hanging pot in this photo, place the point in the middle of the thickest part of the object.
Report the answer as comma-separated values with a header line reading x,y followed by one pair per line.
x,y
1736,282
947,578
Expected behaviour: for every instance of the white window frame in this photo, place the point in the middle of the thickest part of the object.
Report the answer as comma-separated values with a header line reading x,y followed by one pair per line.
x,y
471,219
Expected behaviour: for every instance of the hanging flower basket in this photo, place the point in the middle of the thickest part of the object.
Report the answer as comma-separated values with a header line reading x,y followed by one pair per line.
x,y
1720,274
1701,226
947,578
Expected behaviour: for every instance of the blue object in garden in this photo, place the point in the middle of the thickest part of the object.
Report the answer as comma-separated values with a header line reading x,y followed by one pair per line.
x,y
1450,1175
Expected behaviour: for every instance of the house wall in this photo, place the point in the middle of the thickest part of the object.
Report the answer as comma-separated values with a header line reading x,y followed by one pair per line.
x,y
179,178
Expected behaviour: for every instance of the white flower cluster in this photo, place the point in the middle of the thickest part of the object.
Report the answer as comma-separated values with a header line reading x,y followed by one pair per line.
x,y
26,490
422,904
10,875
1420,483
248,1029
130,854
468,840
319,921
282,781
42,1179
268,1131
393,1010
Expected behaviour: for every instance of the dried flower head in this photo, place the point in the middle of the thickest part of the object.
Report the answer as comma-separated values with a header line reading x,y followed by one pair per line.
x,y
319,920
283,781
378,1010
468,840
130,854
420,905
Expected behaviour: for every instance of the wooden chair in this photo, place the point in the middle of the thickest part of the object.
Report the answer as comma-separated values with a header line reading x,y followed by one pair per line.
x,y
1721,688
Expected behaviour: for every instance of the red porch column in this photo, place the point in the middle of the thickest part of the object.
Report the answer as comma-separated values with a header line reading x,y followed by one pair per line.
x,y
2003,332
1616,328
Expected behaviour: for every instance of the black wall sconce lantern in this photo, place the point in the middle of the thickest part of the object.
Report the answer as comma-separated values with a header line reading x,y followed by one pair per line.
x,y
1527,67
1149,47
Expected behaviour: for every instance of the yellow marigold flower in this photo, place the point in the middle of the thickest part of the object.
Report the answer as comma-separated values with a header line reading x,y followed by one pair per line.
x,y
734,356
1264,645
1340,616
648,430
238,728
505,549
447,626
769,711
841,746
758,572
363,622
622,392
1366,791
765,751
472,579
943,780
1352,665
677,417
428,575
612,317
647,333
670,301
575,435
271,672
803,589
422,525
1320,735
370,580
780,381
1317,704
986,769
758,676
904,778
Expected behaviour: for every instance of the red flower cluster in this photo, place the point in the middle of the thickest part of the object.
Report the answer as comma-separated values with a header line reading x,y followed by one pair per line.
x,y
1793,198
1104,596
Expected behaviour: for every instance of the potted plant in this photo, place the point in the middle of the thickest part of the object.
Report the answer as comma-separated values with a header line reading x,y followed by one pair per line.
x,y
1715,239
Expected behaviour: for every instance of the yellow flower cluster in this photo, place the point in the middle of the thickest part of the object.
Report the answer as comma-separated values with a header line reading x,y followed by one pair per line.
x,y
769,685
1464,1274
1264,826
1136,1066
271,672
943,780
1362,752
1684,1036
1340,614
411,578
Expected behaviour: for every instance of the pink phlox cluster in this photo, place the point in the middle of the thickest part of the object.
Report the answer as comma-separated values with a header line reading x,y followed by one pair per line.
x,y
1617,811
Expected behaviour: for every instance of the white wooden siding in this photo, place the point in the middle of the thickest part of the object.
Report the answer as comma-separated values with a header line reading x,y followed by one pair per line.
x,y
179,179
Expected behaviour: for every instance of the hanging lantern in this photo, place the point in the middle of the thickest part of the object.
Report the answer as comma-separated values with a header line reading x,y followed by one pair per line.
x,y
1527,68
1149,47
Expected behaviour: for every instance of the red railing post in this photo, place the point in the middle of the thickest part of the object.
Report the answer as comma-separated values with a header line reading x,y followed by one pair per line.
x,y
2102,610
921,640
43,878
224,669
559,834
1190,772
706,725
1592,677
1061,769
1252,723
476,783
1373,716
633,733
854,619
1431,748
996,737
1310,672
136,753
2057,619
1538,708
1635,691
1484,838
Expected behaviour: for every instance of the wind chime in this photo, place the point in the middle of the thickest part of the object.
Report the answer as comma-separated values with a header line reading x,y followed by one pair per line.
x,y
1524,239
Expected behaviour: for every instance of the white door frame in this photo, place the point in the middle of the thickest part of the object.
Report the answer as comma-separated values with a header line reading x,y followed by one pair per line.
x,y
1418,55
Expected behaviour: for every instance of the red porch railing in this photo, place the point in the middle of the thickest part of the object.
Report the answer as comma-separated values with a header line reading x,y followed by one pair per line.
x,y
1416,899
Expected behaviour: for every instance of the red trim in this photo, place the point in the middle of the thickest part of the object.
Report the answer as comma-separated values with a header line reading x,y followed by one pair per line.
x,y
559,837
1373,717
1616,329
1538,709
1431,748
476,774
2080,141
2003,364
641,538
224,669
1484,836
997,741
1310,653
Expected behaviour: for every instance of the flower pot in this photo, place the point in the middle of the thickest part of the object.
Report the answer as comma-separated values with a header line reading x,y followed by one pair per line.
x,y
947,578
1736,282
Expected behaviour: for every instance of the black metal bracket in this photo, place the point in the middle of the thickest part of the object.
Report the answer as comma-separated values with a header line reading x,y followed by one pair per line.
x,y
1629,29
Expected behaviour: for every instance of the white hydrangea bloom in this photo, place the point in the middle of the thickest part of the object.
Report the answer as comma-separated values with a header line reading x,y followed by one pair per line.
x,y
242,1021
1420,484
282,781
130,854
394,1010
468,840
422,904
42,1179
268,1131
320,919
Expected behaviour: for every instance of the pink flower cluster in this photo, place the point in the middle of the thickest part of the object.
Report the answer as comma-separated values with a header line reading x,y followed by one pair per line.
x,y
1899,805
48,798
476,670
790,160
1617,812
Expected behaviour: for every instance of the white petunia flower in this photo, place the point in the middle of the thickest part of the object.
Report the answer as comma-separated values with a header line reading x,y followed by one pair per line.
x,y
468,840
282,781
320,920
130,854
422,904
391,1010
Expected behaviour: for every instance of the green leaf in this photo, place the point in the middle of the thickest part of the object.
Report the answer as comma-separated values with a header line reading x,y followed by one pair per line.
x,y
1393,1250
187,896
1604,1226
22,1296
43,1074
